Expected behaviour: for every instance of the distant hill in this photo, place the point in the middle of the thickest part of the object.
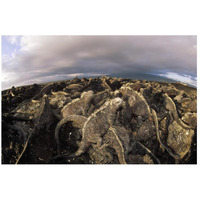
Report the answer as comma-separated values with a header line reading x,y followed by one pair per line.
x,y
145,76
142,76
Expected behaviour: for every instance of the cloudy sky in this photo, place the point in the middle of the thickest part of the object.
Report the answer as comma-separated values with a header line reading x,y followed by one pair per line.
x,y
37,59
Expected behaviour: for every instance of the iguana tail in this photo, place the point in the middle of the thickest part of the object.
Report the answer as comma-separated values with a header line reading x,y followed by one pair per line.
x,y
174,155
180,122
149,152
120,151
78,122
171,106
25,147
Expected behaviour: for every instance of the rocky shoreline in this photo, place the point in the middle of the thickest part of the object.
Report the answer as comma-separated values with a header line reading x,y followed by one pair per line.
x,y
100,121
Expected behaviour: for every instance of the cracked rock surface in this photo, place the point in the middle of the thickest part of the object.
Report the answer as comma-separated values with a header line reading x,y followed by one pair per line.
x,y
103,120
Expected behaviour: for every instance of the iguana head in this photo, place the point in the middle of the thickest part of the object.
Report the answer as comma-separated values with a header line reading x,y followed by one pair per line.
x,y
88,96
117,103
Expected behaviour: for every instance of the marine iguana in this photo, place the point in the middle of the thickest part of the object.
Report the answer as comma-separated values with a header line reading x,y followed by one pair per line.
x,y
174,155
113,140
137,102
105,83
59,93
96,125
100,156
45,90
43,119
78,106
24,111
171,107
77,121
75,108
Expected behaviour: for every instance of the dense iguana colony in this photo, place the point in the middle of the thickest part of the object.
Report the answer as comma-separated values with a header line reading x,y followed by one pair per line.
x,y
99,121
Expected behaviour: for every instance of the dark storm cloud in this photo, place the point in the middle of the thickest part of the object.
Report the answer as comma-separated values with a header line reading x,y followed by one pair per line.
x,y
43,57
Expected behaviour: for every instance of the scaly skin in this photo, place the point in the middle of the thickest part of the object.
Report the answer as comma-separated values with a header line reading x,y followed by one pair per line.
x,y
45,116
171,107
42,119
100,155
78,106
98,124
148,151
78,122
119,147
87,85
174,155
45,90
104,82
59,93
136,101
94,127
74,112
24,111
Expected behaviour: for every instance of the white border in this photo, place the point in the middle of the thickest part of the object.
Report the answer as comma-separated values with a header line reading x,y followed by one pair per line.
x,y
59,17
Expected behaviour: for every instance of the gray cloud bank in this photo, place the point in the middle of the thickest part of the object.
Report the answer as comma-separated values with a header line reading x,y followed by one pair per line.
x,y
49,58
